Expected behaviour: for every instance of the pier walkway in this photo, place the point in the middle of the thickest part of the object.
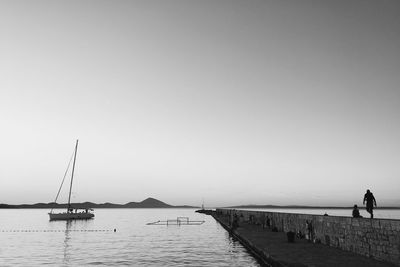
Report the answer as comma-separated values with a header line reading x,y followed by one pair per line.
x,y
273,249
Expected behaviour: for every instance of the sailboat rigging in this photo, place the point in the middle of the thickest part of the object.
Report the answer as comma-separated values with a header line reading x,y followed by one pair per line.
x,y
71,213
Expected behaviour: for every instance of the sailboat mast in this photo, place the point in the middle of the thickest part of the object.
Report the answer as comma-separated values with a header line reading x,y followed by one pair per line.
x,y
72,176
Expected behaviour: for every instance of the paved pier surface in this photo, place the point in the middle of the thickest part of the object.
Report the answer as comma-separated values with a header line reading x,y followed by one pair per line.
x,y
273,249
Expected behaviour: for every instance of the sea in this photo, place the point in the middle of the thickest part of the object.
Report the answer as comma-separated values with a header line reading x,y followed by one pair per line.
x,y
28,238
122,237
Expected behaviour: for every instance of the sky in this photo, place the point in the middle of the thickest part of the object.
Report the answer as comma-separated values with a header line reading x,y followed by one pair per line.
x,y
221,102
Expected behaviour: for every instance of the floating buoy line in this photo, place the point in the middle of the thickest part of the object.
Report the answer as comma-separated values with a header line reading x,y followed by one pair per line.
x,y
54,231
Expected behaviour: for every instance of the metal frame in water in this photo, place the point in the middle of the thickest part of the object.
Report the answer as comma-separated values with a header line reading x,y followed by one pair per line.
x,y
178,221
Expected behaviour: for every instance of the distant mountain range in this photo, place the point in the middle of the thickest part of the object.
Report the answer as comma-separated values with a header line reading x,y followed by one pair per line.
x,y
147,203
155,203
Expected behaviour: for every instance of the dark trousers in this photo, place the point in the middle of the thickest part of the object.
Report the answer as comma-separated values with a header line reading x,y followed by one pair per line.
x,y
370,209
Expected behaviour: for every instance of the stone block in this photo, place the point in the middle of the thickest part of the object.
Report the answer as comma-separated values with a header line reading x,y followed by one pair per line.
x,y
394,258
365,223
377,224
396,225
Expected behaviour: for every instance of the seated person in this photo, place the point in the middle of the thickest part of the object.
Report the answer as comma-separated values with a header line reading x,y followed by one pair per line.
x,y
356,212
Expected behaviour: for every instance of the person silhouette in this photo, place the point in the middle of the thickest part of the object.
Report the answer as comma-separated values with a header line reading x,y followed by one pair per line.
x,y
370,199
356,212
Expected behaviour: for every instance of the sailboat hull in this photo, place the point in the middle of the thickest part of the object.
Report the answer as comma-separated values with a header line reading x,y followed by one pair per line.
x,y
70,216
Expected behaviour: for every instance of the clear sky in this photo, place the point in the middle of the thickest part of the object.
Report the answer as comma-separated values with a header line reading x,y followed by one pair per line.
x,y
234,102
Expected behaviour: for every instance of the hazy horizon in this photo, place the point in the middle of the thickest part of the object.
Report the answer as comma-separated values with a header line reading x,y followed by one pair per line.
x,y
230,102
350,206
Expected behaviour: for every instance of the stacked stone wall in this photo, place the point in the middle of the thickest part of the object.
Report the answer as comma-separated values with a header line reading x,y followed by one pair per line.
x,y
376,238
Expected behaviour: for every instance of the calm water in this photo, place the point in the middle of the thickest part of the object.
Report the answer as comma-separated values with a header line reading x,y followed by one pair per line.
x,y
133,244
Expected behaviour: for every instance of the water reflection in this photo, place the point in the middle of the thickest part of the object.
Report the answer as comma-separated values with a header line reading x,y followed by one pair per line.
x,y
234,245
67,238
238,252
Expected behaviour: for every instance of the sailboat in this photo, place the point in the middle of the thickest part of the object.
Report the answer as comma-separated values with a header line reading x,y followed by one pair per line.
x,y
71,213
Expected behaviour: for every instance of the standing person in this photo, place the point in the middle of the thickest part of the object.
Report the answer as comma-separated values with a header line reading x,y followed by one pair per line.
x,y
370,199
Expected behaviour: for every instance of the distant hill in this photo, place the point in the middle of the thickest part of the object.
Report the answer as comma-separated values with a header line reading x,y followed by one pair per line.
x,y
147,203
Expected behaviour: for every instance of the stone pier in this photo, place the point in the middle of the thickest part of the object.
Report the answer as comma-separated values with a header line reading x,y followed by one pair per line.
x,y
334,240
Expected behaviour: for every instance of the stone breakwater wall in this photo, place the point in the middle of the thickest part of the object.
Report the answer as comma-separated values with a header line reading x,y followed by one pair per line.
x,y
376,238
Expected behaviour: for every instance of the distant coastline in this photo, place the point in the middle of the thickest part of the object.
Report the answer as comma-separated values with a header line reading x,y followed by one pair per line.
x,y
147,203
155,203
